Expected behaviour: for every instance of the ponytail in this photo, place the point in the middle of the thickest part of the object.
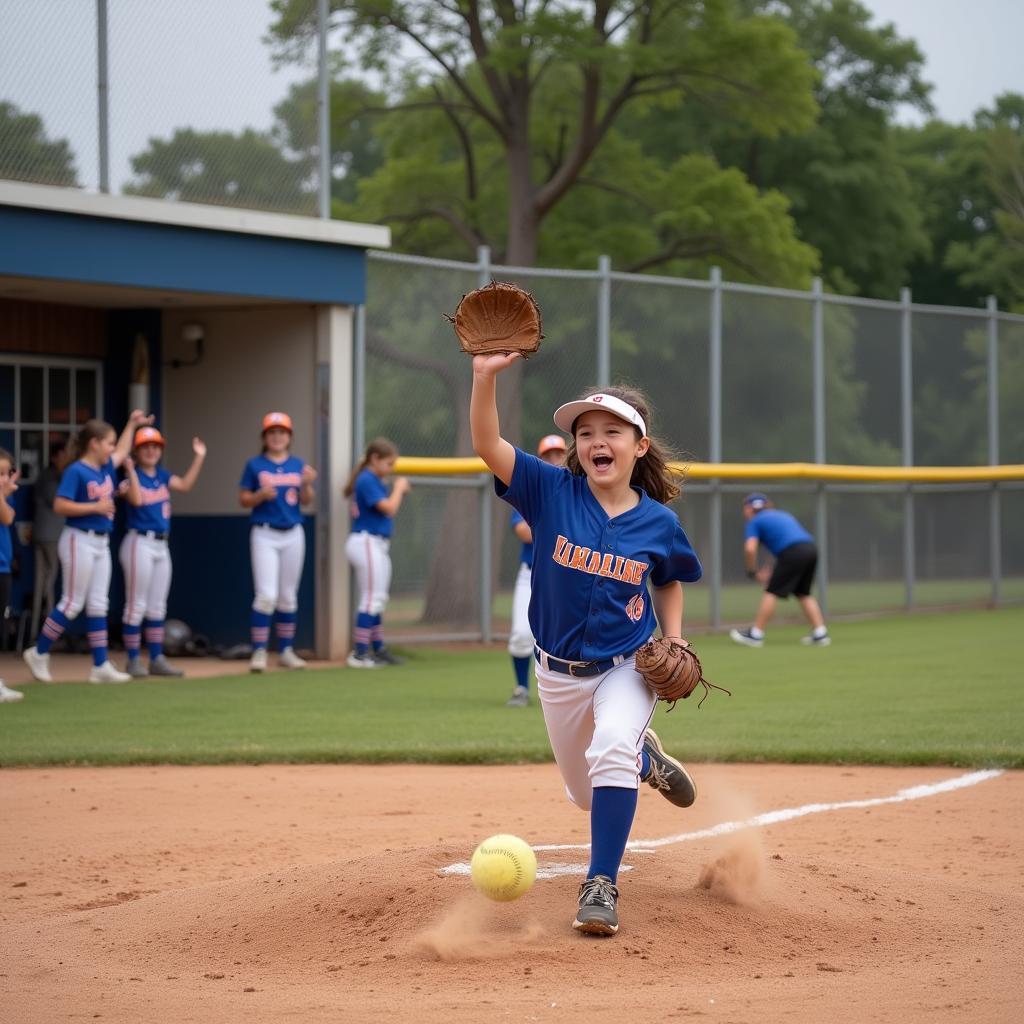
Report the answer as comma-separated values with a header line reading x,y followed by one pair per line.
x,y
379,446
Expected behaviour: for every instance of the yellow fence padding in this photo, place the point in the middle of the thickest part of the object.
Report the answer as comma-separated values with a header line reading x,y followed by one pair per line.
x,y
415,466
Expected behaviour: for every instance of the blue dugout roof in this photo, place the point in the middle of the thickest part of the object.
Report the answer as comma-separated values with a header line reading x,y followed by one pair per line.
x,y
61,234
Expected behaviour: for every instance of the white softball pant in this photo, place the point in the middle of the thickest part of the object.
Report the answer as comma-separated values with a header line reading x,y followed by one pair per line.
x,y
85,561
520,639
146,563
370,557
277,559
596,727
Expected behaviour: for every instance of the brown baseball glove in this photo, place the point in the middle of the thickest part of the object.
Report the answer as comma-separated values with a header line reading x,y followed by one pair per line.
x,y
500,317
672,670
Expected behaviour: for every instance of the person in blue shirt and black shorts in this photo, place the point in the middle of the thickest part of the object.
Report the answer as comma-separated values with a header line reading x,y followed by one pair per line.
x,y
796,560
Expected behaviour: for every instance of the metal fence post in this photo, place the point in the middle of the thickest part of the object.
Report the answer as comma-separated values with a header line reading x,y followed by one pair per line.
x,y
604,316
994,507
818,374
483,262
103,93
359,384
323,109
715,436
486,568
907,422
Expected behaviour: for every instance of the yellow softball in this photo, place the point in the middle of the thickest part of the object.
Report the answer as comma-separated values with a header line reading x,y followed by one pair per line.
x,y
503,867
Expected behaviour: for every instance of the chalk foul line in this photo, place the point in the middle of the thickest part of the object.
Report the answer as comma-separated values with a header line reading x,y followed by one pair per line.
x,y
553,870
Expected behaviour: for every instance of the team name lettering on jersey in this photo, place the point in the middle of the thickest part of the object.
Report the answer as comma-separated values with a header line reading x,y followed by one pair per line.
x,y
280,479
154,495
100,490
597,563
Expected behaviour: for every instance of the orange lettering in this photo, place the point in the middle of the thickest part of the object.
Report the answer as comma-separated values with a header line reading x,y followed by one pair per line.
x,y
579,558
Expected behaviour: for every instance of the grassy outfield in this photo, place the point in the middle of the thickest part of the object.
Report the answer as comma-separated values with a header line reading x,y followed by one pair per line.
x,y
929,689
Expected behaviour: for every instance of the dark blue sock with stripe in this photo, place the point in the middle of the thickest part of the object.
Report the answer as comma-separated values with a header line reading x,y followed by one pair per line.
x,y
611,818
96,626
364,623
55,624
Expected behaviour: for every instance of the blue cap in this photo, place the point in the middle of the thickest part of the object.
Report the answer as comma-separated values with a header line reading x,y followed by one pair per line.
x,y
756,501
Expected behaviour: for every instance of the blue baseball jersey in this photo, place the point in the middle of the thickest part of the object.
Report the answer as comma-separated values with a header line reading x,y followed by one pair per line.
x,y
155,511
82,482
776,530
368,491
283,511
6,551
589,597
526,553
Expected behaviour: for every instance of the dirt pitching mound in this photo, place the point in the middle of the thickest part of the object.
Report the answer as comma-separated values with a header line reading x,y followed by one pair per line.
x,y
904,914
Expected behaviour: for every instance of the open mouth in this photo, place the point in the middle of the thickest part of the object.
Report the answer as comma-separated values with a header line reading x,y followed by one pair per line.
x,y
602,461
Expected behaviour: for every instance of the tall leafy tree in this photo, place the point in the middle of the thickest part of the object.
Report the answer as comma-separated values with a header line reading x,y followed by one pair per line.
x,y
26,154
484,69
357,149
994,261
849,193
248,170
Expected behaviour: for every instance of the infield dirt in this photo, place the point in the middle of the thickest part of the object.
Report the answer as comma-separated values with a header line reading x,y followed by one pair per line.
x,y
317,893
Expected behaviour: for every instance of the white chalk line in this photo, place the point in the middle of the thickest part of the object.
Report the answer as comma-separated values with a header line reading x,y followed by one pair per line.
x,y
553,870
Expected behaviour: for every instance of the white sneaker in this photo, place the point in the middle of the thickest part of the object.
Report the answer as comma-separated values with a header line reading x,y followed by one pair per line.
x,y
38,664
258,661
360,660
744,636
9,696
289,659
107,673
816,641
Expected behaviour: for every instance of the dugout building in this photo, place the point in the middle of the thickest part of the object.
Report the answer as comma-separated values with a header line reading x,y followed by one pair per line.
x,y
208,317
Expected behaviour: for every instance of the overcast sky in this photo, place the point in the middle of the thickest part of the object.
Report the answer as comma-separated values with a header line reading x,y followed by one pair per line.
x,y
204,64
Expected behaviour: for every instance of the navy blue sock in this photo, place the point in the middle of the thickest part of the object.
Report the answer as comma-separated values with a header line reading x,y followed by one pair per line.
x,y
521,666
611,818
361,634
645,764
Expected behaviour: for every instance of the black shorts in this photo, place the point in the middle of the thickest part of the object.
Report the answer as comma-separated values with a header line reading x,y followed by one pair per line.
x,y
794,570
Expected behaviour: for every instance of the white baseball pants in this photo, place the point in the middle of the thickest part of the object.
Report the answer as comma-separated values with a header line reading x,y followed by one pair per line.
x,y
146,563
277,559
520,639
369,556
85,561
596,727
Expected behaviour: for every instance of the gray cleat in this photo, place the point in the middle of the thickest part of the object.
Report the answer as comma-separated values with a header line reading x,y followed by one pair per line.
x,y
136,669
160,666
666,774
597,914
520,698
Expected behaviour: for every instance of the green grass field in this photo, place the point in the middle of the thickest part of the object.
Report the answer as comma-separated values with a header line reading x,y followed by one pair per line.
x,y
929,689
738,601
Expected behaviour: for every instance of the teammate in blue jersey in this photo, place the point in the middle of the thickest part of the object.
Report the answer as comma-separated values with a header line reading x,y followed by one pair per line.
x,y
520,639
368,548
608,562
145,554
85,498
796,559
8,485
275,485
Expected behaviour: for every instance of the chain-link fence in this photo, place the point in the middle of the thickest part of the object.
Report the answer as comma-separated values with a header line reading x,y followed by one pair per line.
x,y
184,101
736,373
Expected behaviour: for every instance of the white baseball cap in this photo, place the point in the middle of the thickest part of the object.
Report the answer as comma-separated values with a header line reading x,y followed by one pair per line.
x,y
566,415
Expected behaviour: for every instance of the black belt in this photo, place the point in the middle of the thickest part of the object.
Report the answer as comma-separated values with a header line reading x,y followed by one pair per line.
x,y
578,669
151,533
271,526
85,529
